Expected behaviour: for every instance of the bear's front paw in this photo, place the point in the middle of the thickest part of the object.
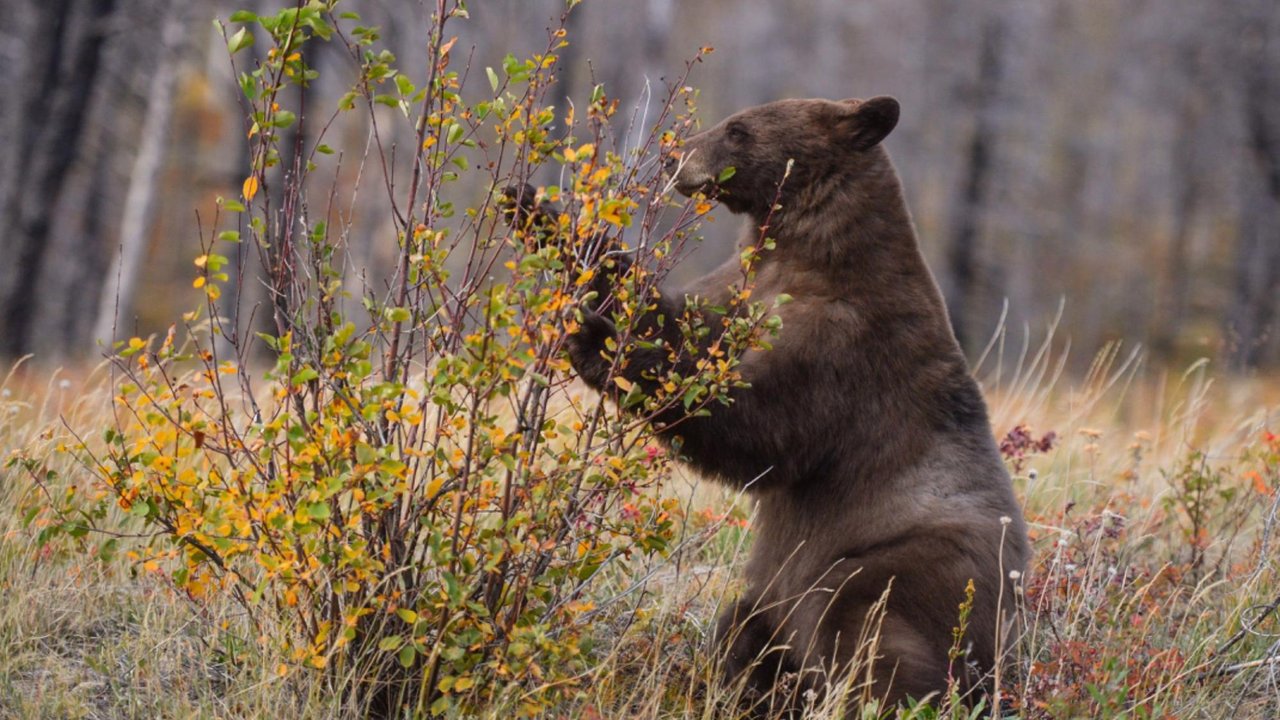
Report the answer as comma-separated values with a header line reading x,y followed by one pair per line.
x,y
517,203
536,222
586,345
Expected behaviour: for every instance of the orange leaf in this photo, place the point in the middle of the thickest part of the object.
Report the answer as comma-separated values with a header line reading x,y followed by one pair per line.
x,y
250,187
1259,484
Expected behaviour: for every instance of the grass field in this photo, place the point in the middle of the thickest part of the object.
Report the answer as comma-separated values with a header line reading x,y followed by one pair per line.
x,y
1153,508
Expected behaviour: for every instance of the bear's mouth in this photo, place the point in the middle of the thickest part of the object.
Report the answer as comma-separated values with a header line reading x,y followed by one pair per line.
x,y
707,187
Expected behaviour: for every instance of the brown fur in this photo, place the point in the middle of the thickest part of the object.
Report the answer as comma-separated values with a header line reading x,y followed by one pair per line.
x,y
862,435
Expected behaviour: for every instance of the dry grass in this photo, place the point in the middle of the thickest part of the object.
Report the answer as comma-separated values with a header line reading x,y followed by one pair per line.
x,y
1144,600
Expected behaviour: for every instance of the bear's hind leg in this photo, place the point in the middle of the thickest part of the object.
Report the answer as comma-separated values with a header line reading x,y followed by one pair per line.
x,y
751,653
889,661
907,664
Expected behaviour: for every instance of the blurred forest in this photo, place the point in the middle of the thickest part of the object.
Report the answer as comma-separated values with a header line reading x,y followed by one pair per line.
x,y
1121,157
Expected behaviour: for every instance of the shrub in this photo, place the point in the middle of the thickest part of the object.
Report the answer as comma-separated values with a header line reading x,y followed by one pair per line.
x,y
409,502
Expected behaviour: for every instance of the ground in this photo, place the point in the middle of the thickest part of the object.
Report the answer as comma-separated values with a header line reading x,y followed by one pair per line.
x,y
1152,498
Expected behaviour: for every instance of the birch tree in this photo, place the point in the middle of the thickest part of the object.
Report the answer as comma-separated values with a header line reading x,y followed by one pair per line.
x,y
121,284
60,64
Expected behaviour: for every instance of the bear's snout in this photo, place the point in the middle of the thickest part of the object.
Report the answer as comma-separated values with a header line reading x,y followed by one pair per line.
x,y
689,170
671,164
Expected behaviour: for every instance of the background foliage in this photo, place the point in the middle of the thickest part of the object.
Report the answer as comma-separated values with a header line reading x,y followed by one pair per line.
x,y
1118,157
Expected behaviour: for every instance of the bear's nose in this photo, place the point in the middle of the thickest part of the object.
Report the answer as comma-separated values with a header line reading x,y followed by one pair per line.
x,y
672,163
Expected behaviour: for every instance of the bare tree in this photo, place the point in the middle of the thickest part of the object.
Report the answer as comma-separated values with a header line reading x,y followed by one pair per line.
x,y
975,184
121,284
1252,314
60,64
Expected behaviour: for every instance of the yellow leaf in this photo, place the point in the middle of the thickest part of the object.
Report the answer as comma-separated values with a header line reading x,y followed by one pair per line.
x,y
434,486
623,383
611,216
250,187
199,282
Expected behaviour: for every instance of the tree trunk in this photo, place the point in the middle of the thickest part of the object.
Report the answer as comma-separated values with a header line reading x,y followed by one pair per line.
x,y
1251,318
970,206
121,284
62,62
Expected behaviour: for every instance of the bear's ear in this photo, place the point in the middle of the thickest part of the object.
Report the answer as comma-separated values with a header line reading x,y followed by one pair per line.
x,y
867,122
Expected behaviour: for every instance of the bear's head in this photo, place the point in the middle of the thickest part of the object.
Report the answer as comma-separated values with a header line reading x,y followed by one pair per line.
x,y
820,139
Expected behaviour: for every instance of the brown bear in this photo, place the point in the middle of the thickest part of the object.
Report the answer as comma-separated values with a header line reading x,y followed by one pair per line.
x,y
861,434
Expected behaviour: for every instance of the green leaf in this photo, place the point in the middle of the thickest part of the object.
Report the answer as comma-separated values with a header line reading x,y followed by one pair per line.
x,y
304,375
406,656
248,86
107,551
691,396
407,615
271,341
244,16
320,27
387,644
453,654
365,454
404,85
319,511
284,119
239,41
493,78
324,149
726,173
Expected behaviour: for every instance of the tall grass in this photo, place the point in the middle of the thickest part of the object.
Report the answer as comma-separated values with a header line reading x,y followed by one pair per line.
x,y
1152,508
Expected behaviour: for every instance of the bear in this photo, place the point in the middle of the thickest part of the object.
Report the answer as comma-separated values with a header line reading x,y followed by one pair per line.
x,y
883,503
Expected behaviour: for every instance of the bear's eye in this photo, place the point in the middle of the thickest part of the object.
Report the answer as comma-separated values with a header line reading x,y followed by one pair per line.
x,y
737,132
